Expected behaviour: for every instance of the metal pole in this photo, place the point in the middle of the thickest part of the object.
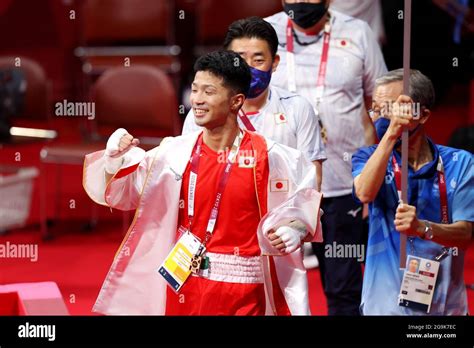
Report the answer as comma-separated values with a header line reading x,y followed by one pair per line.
x,y
406,89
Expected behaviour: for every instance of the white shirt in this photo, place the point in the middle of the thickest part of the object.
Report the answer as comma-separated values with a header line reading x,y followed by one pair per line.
x,y
354,62
369,11
286,118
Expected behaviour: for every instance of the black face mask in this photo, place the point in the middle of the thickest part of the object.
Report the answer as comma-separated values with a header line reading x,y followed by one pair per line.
x,y
305,14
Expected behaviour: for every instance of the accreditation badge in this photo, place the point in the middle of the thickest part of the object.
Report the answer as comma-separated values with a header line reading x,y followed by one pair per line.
x,y
177,266
418,284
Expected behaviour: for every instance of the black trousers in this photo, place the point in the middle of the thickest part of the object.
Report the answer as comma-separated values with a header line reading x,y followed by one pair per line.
x,y
341,276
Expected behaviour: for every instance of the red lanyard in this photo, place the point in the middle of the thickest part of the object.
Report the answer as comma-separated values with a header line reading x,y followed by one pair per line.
x,y
195,159
246,121
322,66
443,195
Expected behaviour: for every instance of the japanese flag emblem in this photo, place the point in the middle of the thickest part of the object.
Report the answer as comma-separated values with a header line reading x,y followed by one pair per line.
x,y
246,162
343,43
280,118
279,185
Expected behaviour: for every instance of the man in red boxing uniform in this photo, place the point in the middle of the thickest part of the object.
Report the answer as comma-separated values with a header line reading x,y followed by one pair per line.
x,y
220,213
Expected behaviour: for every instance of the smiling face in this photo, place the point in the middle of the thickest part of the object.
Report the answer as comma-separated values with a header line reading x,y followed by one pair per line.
x,y
211,100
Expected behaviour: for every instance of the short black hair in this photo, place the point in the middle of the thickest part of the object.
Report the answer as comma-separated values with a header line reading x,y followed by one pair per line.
x,y
252,27
229,66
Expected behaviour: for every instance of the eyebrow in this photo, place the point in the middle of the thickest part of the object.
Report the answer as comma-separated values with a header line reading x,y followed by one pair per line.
x,y
203,86
378,103
253,54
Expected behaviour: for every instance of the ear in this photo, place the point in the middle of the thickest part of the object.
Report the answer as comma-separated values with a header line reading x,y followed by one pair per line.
x,y
425,114
236,102
276,62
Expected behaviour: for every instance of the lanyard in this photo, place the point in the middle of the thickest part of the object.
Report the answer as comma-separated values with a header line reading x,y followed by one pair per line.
x,y
443,195
291,60
246,121
195,159
441,183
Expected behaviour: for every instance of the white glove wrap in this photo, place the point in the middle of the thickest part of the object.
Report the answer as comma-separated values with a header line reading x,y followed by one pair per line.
x,y
292,237
112,165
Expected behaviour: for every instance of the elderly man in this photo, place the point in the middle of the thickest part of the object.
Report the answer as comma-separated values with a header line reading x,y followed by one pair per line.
x,y
438,217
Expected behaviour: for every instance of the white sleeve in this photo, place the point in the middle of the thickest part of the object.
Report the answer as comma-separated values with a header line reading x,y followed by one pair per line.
x,y
300,201
124,189
308,132
190,125
374,63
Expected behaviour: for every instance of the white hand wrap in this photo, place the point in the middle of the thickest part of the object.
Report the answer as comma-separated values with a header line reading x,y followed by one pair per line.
x,y
292,237
112,165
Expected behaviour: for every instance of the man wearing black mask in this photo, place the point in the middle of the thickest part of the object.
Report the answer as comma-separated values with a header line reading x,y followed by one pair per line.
x,y
306,14
333,60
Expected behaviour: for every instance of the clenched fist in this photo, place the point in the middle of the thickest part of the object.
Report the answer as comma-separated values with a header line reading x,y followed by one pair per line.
x,y
119,143
406,221
401,116
286,239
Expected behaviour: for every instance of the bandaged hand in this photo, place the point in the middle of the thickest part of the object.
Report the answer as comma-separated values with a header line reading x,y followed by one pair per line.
x,y
119,143
286,239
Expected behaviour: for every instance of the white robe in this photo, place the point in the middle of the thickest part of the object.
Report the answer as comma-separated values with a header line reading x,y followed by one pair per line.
x,y
150,183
